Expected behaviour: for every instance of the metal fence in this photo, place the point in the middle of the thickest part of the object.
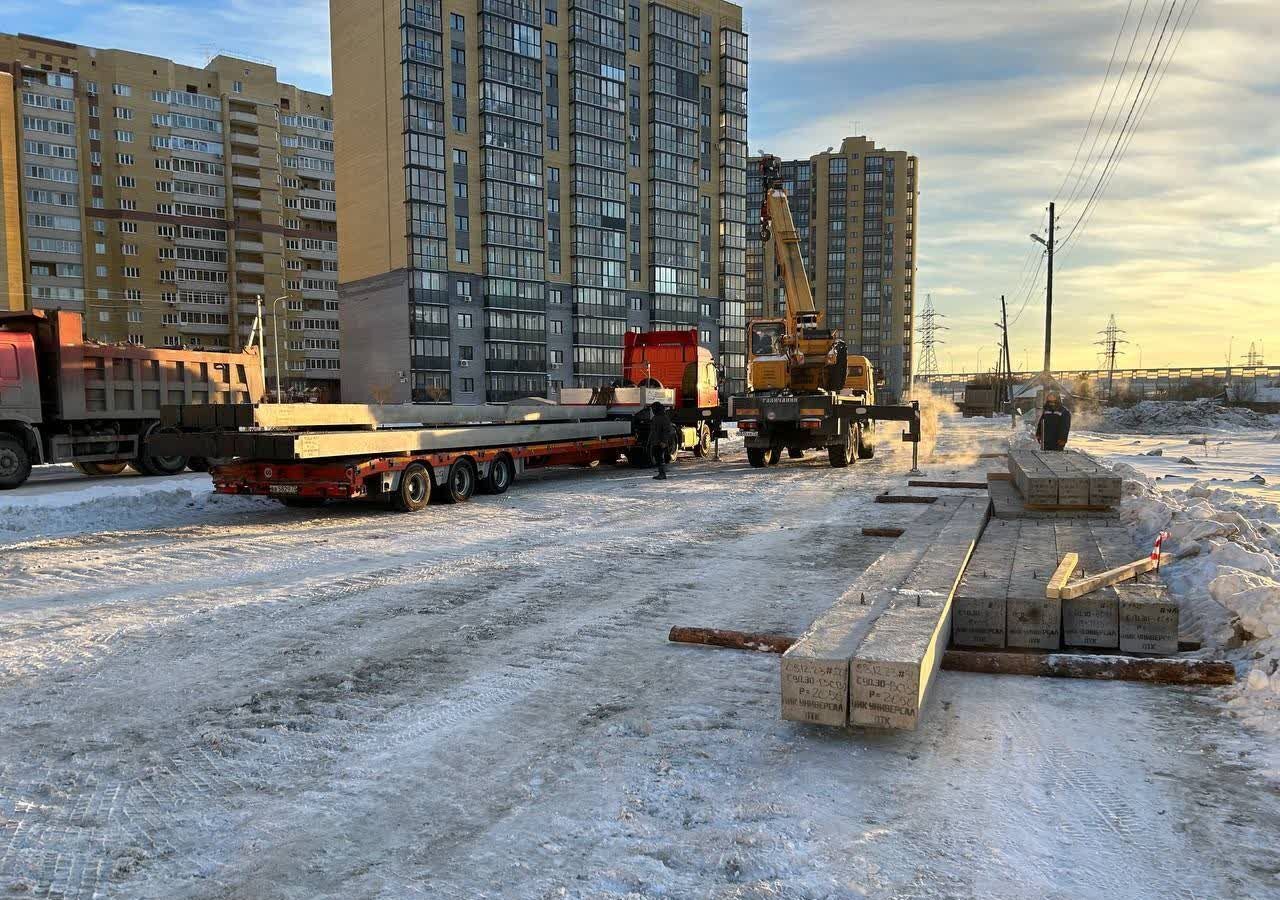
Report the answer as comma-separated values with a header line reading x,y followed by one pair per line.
x,y
1242,383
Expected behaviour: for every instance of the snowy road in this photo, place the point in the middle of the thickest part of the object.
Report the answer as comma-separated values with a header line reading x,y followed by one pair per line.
x,y
479,701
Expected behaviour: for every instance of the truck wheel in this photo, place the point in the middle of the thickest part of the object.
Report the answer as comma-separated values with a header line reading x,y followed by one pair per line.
x,y
775,454
15,462
414,492
99,469
840,454
795,453
702,449
755,456
461,483
150,464
866,449
501,473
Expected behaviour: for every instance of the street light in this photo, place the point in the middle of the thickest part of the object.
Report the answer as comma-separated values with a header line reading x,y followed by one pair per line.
x,y
275,338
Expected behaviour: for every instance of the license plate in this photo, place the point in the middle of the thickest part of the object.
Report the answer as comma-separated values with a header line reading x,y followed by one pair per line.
x,y
282,489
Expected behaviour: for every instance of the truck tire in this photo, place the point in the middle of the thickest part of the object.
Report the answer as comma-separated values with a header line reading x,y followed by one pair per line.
x,y
866,449
502,471
702,445
775,455
414,491
755,456
841,454
149,464
99,469
15,462
461,483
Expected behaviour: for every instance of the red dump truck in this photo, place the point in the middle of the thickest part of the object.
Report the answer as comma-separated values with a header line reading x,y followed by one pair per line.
x,y
674,360
63,399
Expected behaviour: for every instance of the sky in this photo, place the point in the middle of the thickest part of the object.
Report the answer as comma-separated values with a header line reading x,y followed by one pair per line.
x,y
994,98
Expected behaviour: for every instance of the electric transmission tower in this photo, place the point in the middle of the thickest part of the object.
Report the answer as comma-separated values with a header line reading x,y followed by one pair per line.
x,y
929,339
1254,356
1110,345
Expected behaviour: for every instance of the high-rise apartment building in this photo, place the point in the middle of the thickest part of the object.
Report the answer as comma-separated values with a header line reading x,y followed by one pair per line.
x,y
856,212
520,182
164,200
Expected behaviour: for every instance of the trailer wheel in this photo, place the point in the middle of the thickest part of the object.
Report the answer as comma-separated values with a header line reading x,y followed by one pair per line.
x,y
841,454
501,473
150,464
775,455
461,483
755,456
702,449
15,462
414,492
99,469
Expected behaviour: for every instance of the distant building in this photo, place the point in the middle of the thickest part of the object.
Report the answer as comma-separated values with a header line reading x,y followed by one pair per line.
x,y
520,183
163,200
856,211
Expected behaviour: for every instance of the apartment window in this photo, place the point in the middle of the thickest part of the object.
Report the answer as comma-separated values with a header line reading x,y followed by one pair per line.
x,y
468,385
459,90
100,271
552,18
463,289
553,111
635,13
464,320
462,255
91,87
130,249
635,73
634,42
704,336
458,55
124,137
553,173
637,304
553,81
126,181
123,112
131,272
237,87
128,227
706,310
706,66
134,316
555,142
557,327
557,356
100,248
460,189
462,223
466,352
457,22
553,235
635,101
634,188
552,50
122,90
555,296
124,159
553,204
459,157
460,124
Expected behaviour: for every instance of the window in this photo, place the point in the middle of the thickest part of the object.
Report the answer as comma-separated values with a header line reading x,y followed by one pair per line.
x,y
460,189
459,90
460,124
463,289
457,22
123,112
468,385
635,73
462,255
237,87
553,173
553,204
462,223
554,295
552,50
124,137
637,304
464,320
458,55
634,188
459,157
122,90
466,352
557,356
132,272
635,14
126,181
128,227
634,42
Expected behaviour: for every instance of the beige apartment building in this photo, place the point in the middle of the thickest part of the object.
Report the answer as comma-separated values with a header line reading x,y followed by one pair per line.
x,y
856,211
521,182
164,201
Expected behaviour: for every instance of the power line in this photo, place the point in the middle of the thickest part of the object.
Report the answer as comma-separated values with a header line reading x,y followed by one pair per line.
x,y
1096,101
1035,282
929,340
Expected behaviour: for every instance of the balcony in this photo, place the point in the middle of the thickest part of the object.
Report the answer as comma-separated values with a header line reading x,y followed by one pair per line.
x,y
249,203
241,159
203,328
245,181
249,246
246,118
244,138
313,253
318,215
250,267
318,294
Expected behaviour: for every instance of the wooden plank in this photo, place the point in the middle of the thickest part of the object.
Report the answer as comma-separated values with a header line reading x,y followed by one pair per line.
x,y
903,498
883,532
1094,666
737,640
1110,577
1061,574
970,485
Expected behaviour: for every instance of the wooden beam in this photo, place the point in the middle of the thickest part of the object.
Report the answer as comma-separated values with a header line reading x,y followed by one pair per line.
x,y
969,485
1103,667
883,532
903,498
1110,577
1053,590
736,640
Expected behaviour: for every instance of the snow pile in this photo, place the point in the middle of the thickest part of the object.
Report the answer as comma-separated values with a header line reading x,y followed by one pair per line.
x,y
1226,577
1171,417
113,504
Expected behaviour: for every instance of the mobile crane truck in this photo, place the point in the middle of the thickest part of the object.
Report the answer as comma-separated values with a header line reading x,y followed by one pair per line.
x,y
804,390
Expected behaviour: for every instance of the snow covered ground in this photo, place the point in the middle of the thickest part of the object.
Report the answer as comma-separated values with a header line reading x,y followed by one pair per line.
x,y
234,700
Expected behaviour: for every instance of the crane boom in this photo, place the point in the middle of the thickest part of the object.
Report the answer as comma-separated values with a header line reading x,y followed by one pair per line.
x,y
778,227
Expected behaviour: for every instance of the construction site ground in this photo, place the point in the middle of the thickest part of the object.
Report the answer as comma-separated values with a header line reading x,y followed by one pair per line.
x,y
222,698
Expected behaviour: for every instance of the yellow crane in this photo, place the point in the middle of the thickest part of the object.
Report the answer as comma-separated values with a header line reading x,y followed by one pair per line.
x,y
804,390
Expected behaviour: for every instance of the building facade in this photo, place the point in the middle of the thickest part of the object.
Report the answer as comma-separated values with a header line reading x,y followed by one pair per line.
x,y
856,213
163,201
520,182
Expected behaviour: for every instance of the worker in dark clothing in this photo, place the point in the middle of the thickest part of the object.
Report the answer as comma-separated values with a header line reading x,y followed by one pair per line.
x,y
661,438
1054,425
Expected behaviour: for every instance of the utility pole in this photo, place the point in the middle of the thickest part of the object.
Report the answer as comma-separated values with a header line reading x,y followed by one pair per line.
x,y
1008,360
1048,294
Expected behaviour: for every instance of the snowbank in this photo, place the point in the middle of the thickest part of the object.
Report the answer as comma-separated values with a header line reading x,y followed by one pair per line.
x,y
1226,577
112,504
1170,417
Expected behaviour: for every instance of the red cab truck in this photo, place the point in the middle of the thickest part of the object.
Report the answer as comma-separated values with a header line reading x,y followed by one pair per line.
x,y
63,399
674,360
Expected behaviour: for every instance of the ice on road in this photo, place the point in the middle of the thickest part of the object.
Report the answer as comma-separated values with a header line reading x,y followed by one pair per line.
x,y
479,701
